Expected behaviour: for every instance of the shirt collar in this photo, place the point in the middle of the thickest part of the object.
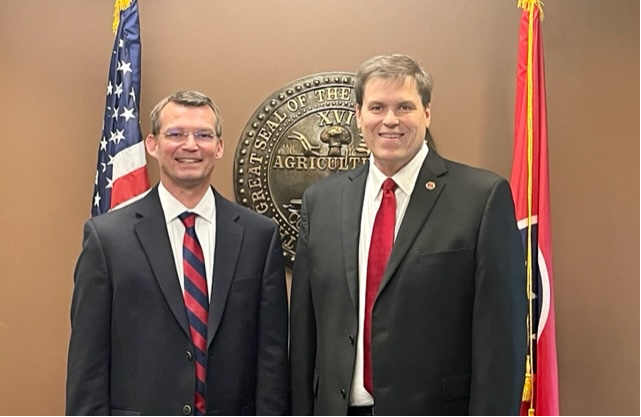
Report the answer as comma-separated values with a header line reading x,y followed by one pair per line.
x,y
206,207
405,178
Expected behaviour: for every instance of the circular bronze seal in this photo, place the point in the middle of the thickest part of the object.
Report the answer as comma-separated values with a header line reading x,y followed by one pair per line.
x,y
299,135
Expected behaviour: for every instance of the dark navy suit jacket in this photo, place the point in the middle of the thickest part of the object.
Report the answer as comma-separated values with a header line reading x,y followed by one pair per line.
x,y
130,343
448,323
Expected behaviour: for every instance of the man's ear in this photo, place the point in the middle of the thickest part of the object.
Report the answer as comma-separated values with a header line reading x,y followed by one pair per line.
x,y
151,144
221,148
428,115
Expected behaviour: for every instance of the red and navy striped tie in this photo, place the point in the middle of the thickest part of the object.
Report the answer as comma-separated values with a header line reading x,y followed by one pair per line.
x,y
197,304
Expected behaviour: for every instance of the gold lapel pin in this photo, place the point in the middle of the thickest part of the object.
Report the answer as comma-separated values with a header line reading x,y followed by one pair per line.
x,y
430,185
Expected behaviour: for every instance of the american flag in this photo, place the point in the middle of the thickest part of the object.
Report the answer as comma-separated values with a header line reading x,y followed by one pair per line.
x,y
121,174
531,190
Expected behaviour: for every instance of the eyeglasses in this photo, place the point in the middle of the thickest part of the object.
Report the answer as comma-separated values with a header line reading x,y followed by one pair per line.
x,y
199,135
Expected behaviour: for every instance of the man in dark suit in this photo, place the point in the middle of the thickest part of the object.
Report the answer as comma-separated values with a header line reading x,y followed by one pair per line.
x,y
443,330
144,340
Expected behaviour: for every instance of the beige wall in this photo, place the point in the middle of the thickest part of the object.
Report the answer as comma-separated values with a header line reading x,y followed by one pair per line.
x,y
53,70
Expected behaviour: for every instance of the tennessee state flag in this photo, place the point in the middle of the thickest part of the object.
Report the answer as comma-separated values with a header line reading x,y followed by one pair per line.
x,y
530,189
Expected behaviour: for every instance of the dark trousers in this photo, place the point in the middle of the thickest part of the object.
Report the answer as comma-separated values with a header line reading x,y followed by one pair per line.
x,y
367,410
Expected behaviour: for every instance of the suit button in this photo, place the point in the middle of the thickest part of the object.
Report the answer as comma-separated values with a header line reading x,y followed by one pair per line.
x,y
343,393
351,339
186,409
189,356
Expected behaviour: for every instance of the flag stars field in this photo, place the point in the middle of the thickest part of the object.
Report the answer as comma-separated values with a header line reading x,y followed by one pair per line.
x,y
127,114
124,67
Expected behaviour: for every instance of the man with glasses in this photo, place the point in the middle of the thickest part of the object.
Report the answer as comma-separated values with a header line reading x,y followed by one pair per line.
x,y
180,304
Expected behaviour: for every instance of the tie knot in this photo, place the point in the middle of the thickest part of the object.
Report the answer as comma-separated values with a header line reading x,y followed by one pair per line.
x,y
389,185
188,219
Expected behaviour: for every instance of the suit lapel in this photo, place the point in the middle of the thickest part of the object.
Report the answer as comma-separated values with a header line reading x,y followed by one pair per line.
x,y
351,210
151,231
229,236
420,205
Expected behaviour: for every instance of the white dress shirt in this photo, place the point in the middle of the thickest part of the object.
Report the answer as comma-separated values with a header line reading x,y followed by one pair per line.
x,y
405,179
205,230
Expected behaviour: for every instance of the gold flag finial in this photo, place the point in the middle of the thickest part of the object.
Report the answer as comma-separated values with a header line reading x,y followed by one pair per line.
x,y
119,5
529,4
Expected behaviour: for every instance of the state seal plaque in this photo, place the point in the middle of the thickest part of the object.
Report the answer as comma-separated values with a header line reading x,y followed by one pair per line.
x,y
299,135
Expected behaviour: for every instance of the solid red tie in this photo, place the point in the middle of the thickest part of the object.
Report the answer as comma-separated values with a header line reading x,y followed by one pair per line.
x,y
197,304
379,251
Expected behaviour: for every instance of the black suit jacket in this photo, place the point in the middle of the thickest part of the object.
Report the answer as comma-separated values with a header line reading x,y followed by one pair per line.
x,y
130,348
448,324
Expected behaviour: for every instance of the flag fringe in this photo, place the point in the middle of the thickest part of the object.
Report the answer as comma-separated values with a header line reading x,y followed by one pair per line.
x,y
527,386
119,5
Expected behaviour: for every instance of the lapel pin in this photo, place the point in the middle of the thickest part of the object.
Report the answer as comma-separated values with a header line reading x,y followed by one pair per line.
x,y
430,185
